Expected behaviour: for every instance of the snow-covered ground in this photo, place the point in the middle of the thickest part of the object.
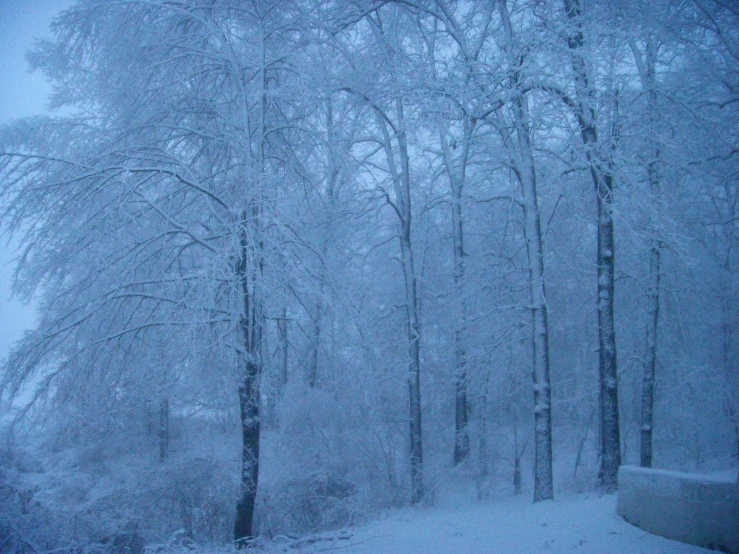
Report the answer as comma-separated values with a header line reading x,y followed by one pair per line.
x,y
580,524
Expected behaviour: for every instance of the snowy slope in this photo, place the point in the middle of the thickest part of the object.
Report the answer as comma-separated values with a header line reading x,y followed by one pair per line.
x,y
581,524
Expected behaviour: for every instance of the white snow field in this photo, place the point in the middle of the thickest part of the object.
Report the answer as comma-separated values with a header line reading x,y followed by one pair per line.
x,y
580,524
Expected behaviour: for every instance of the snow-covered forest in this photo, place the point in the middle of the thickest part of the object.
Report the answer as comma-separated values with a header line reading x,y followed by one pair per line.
x,y
299,262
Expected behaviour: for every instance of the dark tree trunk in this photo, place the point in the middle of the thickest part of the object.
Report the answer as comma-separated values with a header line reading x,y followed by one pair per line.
x,y
163,430
249,412
317,321
414,391
647,72
284,347
461,431
313,355
610,434
250,364
603,181
414,364
517,475
650,363
727,308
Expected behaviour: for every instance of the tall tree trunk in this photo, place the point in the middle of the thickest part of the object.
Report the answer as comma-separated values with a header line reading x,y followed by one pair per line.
x,y
414,373
248,273
611,435
461,431
250,363
332,176
249,412
249,269
650,362
414,325
603,181
456,173
522,159
543,475
402,206
727,307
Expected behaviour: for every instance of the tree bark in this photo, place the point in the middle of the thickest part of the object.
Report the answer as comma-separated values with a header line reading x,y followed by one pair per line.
x,y
249,412
332,175
611,436
727,308
414,373
317,316
456,173
603,181
650,361
461,431
250,363
248,273
284,343
543,475
163,429
414,326
402,206
522,160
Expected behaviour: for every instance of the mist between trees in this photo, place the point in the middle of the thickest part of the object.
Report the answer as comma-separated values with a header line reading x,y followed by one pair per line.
x,y
299,262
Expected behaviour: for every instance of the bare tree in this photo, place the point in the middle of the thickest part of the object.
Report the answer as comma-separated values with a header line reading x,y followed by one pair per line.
x,y
602,176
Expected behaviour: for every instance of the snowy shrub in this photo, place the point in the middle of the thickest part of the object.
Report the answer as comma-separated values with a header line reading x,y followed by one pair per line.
x,y
315,503
195,496
20,521
26,525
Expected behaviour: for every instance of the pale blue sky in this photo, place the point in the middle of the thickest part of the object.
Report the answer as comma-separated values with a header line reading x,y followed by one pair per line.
x,y
21,94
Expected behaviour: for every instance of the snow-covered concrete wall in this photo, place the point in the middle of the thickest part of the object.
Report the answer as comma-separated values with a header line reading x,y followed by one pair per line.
x,y
696,509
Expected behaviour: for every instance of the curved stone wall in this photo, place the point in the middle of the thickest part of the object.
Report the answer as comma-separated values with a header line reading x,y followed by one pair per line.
x,y
696,509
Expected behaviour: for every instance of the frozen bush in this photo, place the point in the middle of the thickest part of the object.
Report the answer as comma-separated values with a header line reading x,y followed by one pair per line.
x,y
315,503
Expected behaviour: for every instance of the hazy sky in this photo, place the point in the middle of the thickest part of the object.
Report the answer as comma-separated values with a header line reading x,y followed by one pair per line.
x,y
21,94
